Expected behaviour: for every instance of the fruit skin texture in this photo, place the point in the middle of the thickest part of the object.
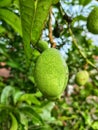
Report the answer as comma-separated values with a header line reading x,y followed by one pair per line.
x,y
82,77
92,21
51,73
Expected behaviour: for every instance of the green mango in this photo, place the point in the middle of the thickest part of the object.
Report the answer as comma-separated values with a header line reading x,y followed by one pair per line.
x,y
82,77
51,73
92,21
42,45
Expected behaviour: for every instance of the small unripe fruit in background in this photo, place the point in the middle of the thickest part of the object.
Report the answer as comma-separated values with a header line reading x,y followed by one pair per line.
x,y
92,21
51,73
42,45
82,77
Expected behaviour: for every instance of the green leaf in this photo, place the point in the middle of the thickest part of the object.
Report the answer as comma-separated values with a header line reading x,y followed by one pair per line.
x,y
84,2
12,19
4,3
46,111
95,125
38,94
78,18
29,98
16,96
13,64
2,29
27,9
6,107
31,111
55,1
7,91
42,11
23,120
87,118
14,125
16,3
31,78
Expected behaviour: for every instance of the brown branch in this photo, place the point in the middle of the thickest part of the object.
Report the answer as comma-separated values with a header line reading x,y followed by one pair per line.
x,y
53,44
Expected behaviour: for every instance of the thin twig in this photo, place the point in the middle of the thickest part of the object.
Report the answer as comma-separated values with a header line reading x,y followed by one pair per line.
x,y
82,53
53,44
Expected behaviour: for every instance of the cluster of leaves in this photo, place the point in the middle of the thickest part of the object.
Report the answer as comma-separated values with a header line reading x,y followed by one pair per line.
x,y
22,106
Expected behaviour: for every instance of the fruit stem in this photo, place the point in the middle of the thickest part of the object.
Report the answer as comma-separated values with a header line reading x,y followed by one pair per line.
x,y
82,53
53,44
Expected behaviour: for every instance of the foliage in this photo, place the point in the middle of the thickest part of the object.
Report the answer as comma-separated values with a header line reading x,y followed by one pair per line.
x,y
22,24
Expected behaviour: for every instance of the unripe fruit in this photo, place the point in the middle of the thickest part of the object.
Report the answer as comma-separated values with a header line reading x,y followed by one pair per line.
x,y
92,21
82,77
51,73
42,45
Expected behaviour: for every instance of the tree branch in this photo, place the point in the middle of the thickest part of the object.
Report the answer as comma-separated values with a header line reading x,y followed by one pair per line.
x,y
53,44
82,54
